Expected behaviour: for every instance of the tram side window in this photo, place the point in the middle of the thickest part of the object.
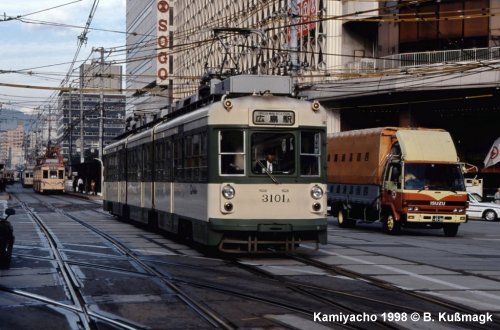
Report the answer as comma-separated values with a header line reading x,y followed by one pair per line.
x,y
177,158
134,165
203,156
60,174
188,159
121,169
310,152
159,160
45,174
198,155
232,152
189,156
147,155
110,168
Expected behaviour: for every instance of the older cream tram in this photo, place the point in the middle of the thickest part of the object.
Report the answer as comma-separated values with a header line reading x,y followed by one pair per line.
x,y
27,177
241,171
49,173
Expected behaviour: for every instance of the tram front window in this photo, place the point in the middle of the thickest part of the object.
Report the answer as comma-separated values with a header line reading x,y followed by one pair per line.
x,y
273,153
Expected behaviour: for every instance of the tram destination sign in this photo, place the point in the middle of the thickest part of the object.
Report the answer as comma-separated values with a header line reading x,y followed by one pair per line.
x,y
264,117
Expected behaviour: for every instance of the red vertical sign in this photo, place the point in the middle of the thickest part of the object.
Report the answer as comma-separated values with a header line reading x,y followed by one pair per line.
x,y
163,42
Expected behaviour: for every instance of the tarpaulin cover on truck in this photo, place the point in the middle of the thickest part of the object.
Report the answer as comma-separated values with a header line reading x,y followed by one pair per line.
x,y
426,145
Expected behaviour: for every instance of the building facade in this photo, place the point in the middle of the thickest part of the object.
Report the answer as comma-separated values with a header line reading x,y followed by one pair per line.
x,y
371,63
11,147
172,44
79,120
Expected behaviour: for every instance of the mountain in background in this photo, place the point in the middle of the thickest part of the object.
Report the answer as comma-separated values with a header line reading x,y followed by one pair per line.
x,y
10,117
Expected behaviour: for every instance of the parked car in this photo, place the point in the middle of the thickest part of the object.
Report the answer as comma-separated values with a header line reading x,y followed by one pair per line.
x,y
479,209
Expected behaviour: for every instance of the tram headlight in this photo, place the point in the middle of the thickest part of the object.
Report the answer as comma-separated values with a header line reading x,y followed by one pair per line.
x,y
315,106
316,192
228,192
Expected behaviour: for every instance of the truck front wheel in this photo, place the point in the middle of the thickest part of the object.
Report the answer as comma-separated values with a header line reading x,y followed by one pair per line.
x,y
343,222
392,226
451,229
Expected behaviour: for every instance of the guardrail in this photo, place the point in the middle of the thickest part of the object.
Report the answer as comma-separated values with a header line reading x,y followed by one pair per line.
x,y
410,60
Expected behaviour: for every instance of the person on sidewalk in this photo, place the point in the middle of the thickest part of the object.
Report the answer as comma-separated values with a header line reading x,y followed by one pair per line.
x,y
92,187
80,185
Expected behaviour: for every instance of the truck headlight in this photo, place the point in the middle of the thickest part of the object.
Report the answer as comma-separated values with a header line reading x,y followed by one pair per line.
x,y
316,192
228,192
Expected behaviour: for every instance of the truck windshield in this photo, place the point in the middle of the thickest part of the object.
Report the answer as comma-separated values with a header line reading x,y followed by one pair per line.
x,y
433,177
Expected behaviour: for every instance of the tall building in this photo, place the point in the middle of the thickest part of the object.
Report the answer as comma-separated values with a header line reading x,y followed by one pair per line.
x,y
370,63
80,113
173,44
11,147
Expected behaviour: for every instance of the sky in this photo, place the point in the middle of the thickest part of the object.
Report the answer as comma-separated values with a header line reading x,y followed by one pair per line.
x,y
43,53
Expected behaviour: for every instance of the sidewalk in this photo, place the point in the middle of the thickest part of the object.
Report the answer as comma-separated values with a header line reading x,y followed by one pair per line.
x,y
4,196
84,196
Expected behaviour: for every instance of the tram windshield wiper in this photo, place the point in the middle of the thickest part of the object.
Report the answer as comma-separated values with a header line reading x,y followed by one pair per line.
x,y
268,173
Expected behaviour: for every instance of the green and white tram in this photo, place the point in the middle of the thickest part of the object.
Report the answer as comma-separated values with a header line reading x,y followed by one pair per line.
x,y
245,172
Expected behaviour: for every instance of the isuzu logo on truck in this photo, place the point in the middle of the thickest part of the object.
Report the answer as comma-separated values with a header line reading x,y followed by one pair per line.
x,y
437,203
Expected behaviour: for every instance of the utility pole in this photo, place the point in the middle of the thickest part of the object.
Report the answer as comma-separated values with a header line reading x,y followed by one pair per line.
x,y
70,132
82,142
294,40
101,103
50,128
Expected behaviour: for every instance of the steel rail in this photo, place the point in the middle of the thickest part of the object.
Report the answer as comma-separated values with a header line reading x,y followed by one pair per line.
x,y
80,306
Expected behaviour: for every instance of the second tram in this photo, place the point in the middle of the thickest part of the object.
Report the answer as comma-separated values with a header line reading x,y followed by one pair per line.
x,y
27,177
49,173
244,172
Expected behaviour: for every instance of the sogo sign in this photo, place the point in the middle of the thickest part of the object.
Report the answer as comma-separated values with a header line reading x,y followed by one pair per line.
x,y
162,58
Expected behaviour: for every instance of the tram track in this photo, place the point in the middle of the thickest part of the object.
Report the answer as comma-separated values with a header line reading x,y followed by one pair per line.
x,y
176,284
318,293
207,286
72,283
452,307
87,317
151,267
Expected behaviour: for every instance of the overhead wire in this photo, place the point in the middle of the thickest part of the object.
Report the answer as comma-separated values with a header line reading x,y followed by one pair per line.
x,y
194,45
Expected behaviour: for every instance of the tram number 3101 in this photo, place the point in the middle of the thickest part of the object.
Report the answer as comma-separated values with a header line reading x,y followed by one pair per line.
x,y
275,198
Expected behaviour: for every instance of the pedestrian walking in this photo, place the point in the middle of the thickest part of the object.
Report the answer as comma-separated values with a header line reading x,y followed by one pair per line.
x,y
80,185
92,187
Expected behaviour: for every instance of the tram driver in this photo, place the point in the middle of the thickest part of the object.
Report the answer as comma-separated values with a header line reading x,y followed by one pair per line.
x,y
268,164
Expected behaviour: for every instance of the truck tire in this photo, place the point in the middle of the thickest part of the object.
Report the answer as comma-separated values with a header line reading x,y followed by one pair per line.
x,y
391,226
343,221
450,229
